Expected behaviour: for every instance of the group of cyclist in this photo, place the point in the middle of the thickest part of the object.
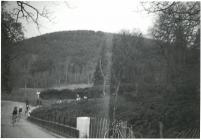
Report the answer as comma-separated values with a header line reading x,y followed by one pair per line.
x,y
17,113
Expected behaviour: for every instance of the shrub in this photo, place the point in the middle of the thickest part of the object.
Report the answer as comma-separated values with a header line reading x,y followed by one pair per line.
x,y
93,92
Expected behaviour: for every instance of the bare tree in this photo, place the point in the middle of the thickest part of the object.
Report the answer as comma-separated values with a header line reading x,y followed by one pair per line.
x,y
173,15
176,31
103,75
26,11
12,32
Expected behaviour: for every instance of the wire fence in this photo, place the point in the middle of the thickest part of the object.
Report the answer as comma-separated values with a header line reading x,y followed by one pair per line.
x,y
99,128
57,127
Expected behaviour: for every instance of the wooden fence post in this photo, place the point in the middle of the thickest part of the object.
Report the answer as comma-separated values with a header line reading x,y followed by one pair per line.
x,y
59,123
161,129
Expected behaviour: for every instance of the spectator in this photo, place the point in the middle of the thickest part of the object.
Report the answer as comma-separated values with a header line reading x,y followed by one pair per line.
x,y
78,97
85,97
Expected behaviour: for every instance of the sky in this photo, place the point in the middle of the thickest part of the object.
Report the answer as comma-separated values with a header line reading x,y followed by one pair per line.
x,y
98,15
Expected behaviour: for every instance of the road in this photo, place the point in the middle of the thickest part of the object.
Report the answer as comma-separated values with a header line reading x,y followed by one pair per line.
x,y
23,128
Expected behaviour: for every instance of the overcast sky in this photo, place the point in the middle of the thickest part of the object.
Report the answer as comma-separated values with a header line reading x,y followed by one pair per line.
x,y
99,15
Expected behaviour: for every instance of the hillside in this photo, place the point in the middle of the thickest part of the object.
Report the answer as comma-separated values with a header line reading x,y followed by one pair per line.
x,y
57,59
153,90
154,85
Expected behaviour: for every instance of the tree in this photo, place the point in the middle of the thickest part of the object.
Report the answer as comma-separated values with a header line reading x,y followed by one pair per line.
x,y
124,52
24,10
176,32
173,15
100,72
12,33
98,77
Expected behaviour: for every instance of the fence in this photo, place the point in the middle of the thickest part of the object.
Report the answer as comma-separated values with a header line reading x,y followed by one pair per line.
x,y
65,125
99,128
58,128
189,133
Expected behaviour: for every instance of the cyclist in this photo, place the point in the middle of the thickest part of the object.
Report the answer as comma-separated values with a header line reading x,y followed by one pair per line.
x,y
27,109
20,112
27,102
14,115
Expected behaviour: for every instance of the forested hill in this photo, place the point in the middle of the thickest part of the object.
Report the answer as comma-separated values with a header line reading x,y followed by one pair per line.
x,y
56,59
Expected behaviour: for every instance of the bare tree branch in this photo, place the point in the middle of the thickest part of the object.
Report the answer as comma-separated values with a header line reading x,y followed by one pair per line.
x,y
29,12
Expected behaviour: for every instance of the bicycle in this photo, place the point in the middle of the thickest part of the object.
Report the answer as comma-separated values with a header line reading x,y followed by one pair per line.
x,y
118,131
13,119
27,110
115,131
19,116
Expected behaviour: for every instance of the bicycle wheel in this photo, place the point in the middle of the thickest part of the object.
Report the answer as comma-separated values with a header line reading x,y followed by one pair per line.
x,y
115,133
13,120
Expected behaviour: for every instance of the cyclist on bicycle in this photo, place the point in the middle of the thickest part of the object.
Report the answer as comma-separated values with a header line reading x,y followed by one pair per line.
x,y
20,112
27,109
27,102
14,115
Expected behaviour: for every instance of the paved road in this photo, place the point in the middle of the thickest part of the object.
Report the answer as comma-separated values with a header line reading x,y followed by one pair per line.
x,y
23,128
